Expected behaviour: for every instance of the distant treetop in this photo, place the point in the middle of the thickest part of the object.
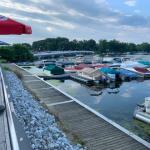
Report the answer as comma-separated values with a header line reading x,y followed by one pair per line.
x,y
102,46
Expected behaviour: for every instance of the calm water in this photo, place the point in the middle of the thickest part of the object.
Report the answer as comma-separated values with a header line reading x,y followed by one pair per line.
x,y
117,104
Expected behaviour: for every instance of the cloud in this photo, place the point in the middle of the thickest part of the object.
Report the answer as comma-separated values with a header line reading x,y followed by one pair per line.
x,y
134,20
130,3
50,29
127,33
126,95
26,8
79,19
42,1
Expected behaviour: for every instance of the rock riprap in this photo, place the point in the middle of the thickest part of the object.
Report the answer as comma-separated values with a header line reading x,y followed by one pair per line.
x,y
40,126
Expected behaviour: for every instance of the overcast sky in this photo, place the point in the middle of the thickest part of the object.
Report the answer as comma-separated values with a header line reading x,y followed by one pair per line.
x,y
124,20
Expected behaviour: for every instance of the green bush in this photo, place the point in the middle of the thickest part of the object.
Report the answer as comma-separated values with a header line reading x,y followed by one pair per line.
x,y
16,53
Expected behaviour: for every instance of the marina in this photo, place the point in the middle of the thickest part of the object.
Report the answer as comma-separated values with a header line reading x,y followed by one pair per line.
x,y
117,102
100,87
75,78
65,105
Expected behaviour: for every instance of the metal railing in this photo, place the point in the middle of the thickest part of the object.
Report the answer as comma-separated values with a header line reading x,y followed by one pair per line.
x,y
11,127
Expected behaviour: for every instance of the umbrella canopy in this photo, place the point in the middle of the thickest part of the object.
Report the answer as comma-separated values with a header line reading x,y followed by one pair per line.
x,y
10,26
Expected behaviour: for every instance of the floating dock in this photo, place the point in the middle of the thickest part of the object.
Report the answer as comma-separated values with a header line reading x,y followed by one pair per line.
x,y
82,79
57,77
96,131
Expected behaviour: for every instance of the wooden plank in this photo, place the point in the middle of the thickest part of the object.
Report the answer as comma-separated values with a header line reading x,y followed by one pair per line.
x,y
2,138
26,78
49,100
102,133
38,85
29,81
3,146
59,103
4,133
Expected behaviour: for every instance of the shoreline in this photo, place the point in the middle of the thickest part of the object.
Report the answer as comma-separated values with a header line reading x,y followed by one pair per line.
x,y
37,122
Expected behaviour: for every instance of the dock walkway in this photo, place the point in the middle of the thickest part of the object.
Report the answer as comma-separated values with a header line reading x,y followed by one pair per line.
x,y
4,133
96,131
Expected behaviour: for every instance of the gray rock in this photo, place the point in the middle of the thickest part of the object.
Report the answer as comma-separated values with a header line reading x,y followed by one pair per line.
x,y
40,127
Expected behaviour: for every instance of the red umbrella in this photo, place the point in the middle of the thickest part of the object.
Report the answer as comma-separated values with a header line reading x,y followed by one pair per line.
x,y
9,26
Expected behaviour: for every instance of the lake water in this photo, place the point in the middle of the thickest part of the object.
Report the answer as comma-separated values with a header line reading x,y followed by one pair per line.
x,y
118,104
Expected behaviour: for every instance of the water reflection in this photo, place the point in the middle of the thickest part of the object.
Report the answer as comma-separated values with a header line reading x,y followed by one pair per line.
x,y
116,101
114,88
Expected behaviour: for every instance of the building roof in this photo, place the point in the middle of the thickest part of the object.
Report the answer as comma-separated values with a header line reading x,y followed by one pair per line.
x,y
87,70
62,53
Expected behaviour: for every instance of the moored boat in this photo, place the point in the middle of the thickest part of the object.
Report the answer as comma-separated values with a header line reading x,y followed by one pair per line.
x,y
142,112
143,71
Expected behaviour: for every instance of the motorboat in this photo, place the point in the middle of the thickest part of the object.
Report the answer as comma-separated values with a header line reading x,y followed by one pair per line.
x,y
142,112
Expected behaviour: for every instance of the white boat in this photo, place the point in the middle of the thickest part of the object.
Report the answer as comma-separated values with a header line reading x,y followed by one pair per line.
x,y
142,112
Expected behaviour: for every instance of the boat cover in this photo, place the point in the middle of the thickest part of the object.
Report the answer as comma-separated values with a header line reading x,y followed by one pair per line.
x,y
107,70
127,73
147,63
142,70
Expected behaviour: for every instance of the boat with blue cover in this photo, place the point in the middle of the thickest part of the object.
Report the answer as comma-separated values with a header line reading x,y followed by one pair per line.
x,y
111,73
126,74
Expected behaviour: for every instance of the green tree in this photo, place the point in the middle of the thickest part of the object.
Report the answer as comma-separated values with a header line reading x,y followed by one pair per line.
x,y
16,53
103,46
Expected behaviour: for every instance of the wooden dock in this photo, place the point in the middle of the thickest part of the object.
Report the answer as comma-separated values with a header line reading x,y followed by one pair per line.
x,y
58,77
4,133
95,130
82,79
8,136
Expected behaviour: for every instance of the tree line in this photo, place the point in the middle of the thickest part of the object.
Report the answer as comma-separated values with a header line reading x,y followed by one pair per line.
x,y
24,51
16,53
102,46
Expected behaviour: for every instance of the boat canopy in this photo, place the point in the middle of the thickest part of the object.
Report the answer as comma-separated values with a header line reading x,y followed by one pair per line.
x,y
56,70
98,65
49,67
96,74
127,73
142,70
131,64
147,63
107,70
87,70
81,66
